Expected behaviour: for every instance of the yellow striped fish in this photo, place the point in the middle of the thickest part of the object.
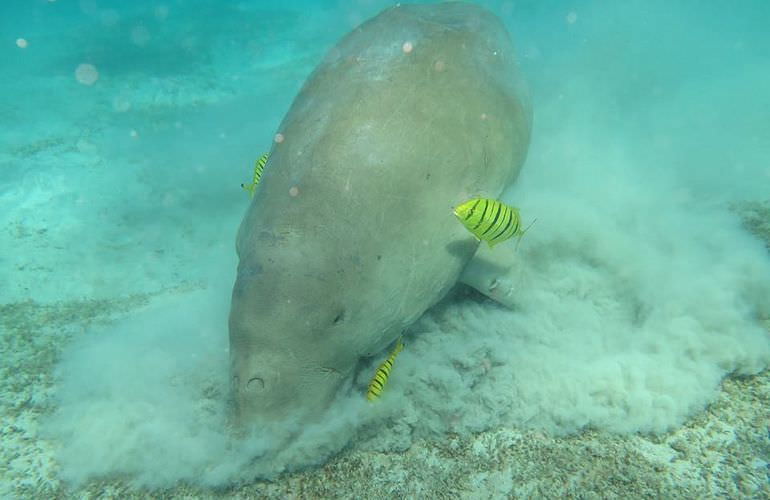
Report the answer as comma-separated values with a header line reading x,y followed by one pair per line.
x,y
380,378
490,220
258,168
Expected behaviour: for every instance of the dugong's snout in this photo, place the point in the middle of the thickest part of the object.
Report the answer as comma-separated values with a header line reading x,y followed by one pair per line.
x,y
255,386
272,380
269,389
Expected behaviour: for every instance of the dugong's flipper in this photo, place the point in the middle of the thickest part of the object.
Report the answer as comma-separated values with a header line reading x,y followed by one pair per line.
x,y
494,272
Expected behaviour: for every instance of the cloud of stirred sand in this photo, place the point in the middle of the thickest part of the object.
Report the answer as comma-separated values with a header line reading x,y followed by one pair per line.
x,y
639,291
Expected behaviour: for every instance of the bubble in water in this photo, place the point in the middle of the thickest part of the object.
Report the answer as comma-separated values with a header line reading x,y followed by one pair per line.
x,y
161,12
86,74
572,17
109,17
532,52
354,18
121,104
140,35
85,146
168,200
407,47
89,7
188,43
21,43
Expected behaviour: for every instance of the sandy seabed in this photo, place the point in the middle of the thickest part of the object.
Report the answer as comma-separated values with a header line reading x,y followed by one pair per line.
x,y
721,452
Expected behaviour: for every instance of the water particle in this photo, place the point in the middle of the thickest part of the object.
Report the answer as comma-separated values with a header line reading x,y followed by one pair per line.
x,y
121,104
85,147
109,17
407,47
293,191
189,43
21,43
161,12
278,138
439,66
483,116
572,17
86,74
140,35
134,134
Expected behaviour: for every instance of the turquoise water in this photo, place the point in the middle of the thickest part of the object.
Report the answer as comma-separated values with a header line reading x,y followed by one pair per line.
x,y
128,129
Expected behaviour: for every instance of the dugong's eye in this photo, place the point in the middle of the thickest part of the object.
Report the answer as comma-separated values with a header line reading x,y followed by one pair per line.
x,y
339,317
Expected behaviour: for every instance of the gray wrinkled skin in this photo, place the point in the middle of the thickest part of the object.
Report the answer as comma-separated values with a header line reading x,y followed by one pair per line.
x,y
350,236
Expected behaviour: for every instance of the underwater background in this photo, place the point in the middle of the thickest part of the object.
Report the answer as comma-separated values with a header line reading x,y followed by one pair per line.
x,y
636,361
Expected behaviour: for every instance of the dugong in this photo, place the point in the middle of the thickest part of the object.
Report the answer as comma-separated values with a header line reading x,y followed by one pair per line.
x,y
350,235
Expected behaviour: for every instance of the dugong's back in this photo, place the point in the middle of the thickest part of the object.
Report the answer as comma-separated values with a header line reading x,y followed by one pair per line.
x,y
351,236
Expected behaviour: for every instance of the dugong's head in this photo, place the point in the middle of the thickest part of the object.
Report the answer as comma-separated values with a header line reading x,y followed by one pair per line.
x,y
292,326
284,320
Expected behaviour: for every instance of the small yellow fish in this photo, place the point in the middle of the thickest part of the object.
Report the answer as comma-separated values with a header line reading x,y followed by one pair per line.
x,y
380,378
490,220
258,167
